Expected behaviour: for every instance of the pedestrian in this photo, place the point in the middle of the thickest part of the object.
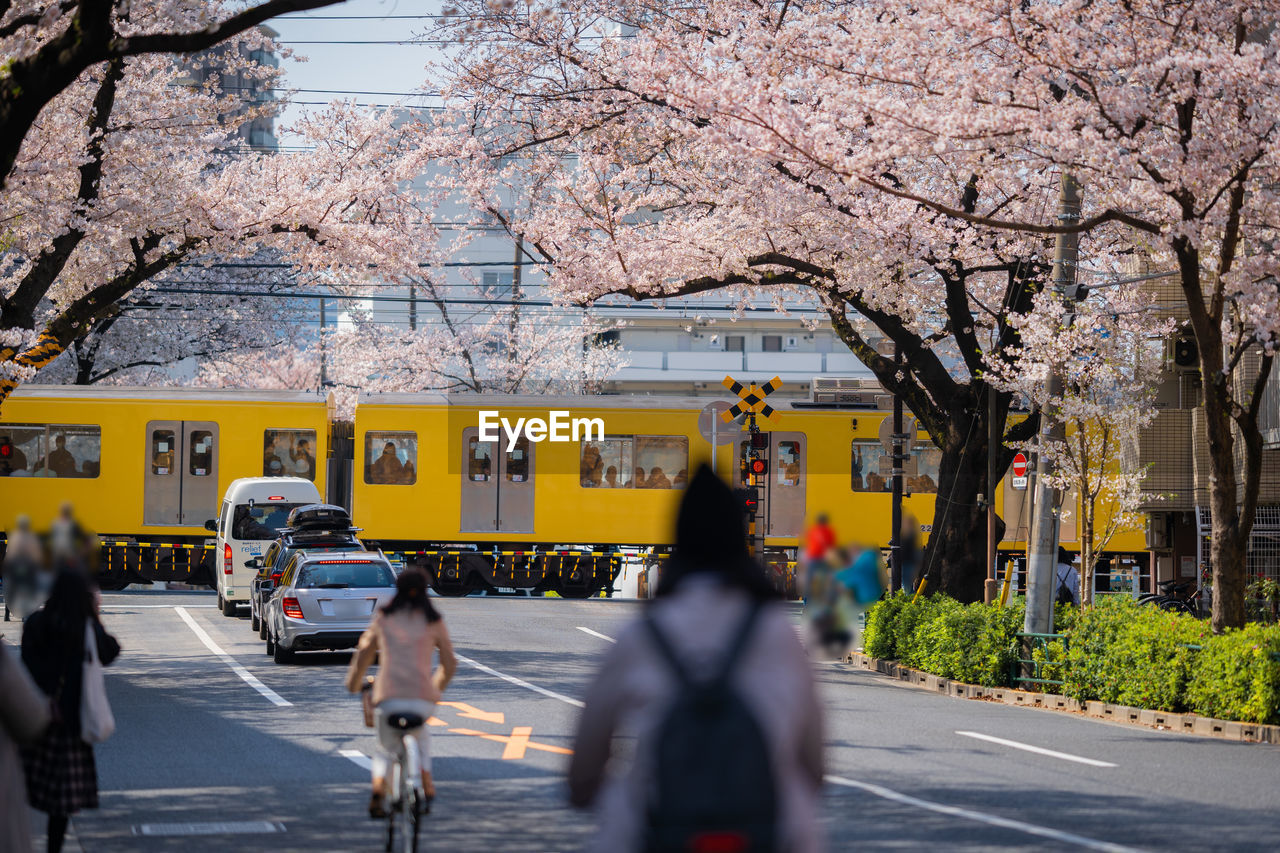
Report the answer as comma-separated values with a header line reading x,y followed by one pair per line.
x,y
818,542
24,715
61,775
716,690
23,561
1066,588
909,550
403,636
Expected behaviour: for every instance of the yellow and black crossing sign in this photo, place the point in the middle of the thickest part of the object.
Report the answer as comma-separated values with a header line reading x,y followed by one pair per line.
x,y
751,399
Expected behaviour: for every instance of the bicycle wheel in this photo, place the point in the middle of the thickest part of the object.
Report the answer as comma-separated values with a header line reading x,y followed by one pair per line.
x,y
410,794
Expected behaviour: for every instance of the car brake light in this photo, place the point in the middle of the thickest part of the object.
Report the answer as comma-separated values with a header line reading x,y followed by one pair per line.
x,y
276,498
226,559
340,562
292,608
275,576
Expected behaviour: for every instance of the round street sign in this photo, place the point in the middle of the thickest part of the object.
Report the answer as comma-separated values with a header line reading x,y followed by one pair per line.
x,y
724,432
1019,480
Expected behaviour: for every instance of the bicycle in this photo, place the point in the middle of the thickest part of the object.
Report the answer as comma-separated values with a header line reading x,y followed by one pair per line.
x,y
407,801
1177,596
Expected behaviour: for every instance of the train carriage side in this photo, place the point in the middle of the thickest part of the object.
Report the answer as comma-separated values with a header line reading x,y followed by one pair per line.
x,y
147,467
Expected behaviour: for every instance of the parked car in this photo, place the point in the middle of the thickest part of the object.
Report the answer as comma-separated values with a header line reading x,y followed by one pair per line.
x,y
313,527
325,600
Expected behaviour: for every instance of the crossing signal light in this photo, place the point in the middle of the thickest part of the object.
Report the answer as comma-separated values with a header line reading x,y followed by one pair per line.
x,y
759,467
759,441
749,500
6,448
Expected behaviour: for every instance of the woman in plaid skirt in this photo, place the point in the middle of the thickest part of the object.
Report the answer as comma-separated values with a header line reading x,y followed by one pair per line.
x,y
61,777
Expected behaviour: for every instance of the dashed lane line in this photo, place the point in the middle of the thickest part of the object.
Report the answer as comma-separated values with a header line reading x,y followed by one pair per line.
x,y
1038,750
596,634
520,682
248,677
982,817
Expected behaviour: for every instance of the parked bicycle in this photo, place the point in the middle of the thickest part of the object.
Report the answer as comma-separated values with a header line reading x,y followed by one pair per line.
x,y
1176,596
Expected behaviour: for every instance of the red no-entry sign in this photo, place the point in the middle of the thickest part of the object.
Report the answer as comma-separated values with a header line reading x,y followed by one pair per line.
x,y
1019,471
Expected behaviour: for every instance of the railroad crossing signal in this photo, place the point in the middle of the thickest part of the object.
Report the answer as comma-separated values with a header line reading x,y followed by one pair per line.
x,y
751,399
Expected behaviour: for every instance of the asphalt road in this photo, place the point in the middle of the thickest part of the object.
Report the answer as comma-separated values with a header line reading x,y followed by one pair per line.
x,y
214,738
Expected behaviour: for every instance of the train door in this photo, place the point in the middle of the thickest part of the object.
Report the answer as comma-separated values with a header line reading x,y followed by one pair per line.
x,y
180,484
497,485
788,475
782,512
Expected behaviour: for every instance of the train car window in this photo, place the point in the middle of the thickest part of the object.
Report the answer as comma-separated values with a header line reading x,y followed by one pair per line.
x,y
788,463
20,446
869,466
607,464
200,459
162,450
928,458
518,461
289,453
391,458
662,462
480,460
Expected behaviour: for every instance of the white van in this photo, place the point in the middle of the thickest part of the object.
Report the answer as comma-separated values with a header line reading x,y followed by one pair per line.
x,y
252,508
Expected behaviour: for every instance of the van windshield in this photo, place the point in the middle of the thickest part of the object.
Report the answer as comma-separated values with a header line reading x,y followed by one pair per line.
x,y
261,521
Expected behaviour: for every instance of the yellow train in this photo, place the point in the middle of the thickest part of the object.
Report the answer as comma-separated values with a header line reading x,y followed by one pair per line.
x,y
534,492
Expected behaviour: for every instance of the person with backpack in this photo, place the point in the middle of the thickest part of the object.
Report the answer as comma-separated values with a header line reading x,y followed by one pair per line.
x,y
718,692
1066,587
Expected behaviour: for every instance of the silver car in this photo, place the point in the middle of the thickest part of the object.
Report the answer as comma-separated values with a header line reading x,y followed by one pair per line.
x,y
325,600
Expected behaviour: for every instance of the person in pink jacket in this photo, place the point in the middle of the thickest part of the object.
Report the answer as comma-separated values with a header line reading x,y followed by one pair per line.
x,y
404,636
711,597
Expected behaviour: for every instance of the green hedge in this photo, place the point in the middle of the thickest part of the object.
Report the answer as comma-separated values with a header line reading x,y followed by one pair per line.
x,y
1117,651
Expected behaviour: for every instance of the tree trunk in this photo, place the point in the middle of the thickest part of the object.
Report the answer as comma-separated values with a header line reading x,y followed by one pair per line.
x,y
1229,537
1088,560
956,557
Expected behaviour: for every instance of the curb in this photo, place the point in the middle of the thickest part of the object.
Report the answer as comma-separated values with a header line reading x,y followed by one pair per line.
x,y
1191,724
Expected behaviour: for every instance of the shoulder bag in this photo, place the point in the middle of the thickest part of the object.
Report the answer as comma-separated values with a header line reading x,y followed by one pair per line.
x,y
96,720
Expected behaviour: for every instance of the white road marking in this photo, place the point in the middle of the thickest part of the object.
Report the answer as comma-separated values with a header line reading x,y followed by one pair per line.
x,y
981,817
139,606
358,757
520,682
248,677
1092,762
596,634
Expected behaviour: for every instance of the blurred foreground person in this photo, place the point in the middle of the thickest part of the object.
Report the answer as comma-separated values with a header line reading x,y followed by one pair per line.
x,y
23,561
71,545
716,688
404,636
24,714
61,776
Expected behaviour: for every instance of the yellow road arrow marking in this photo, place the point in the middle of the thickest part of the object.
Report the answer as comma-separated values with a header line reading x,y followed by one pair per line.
x,y
471,712
517,743
521,733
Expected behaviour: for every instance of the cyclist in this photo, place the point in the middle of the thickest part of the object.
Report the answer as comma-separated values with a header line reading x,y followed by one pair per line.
x,y
403,635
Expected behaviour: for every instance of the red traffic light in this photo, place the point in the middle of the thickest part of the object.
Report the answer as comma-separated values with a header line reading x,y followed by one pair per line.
x,y
6,449
759,467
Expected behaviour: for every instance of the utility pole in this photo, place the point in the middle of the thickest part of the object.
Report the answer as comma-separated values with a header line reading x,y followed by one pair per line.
x,y
995,444
1043,556
324,374
413,307
895,536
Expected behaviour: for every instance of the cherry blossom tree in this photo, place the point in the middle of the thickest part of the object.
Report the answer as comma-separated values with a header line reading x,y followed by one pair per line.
x,y
47,46
540,353
636,194
130,172
1164,110
1102,350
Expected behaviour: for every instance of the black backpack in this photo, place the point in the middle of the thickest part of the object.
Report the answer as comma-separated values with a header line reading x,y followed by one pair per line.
x,y
713,785
1065,595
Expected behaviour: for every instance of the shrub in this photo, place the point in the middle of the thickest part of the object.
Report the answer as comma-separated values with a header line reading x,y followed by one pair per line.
x,y
1129,654
937,634
877,637
1234,677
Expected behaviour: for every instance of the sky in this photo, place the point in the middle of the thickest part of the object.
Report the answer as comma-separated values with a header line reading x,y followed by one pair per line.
x,y
335,67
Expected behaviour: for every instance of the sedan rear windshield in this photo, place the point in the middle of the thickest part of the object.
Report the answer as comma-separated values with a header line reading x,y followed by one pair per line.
x,y
356,574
